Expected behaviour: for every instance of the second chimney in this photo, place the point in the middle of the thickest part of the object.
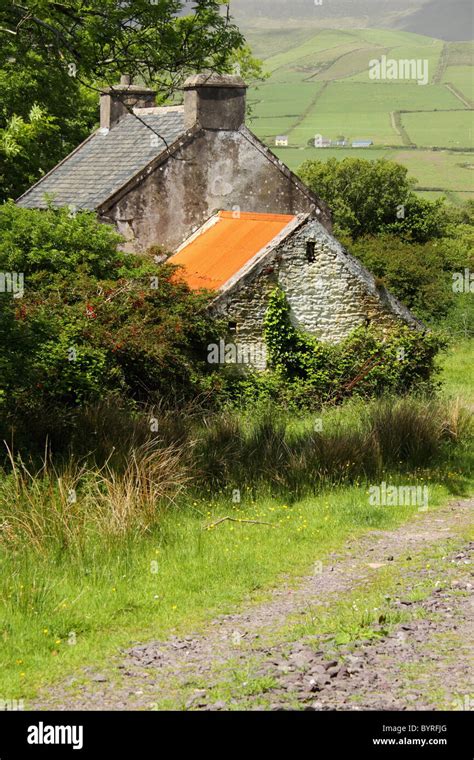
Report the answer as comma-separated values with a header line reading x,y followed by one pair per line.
x,y
114,100
215,101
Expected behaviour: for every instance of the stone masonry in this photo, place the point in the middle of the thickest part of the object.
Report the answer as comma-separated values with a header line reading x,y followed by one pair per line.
x,y
329,296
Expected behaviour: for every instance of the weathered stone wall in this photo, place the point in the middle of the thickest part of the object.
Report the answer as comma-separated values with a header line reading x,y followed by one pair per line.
x,y
211,171
328,297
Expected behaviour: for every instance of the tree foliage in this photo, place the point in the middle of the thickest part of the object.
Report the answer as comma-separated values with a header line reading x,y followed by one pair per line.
x,y
101,39
369,197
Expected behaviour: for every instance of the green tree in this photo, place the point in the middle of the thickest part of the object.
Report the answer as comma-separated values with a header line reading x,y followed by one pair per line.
x,y
46,112
155,42
369,197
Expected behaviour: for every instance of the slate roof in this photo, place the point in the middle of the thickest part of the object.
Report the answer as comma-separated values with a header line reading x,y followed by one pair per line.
x,y
225,244
107,160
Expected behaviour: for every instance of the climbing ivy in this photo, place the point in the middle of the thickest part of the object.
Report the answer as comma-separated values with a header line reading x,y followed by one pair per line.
x,y
295,354
366,363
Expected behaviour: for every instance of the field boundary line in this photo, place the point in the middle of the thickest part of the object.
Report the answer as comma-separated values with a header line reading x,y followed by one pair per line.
x,y
458,95
308,110
396,121
441,67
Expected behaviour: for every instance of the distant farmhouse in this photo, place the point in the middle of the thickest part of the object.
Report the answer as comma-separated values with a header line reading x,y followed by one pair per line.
x,y
281,140
194,180
322,142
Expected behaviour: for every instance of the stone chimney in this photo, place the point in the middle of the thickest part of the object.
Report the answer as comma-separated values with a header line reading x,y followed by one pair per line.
x,y
215,101
114,100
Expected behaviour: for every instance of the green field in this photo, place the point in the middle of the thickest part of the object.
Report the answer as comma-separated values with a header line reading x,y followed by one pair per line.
x,y
318,84
369,107
443,172
444,130
462,78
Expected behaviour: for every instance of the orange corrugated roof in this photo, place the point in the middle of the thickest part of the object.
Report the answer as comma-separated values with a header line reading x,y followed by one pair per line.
x,y
215,255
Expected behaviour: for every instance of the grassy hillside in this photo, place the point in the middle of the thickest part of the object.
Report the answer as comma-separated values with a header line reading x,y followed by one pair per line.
x,y
318,83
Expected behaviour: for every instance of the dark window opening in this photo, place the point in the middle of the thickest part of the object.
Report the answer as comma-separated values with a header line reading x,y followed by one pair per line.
x,y
233,327
310,250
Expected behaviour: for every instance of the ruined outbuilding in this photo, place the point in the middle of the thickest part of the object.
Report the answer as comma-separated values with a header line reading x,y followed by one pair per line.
x,y
242,257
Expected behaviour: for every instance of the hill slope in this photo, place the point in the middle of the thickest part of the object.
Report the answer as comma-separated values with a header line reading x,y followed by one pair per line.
x,y
319,84
446,21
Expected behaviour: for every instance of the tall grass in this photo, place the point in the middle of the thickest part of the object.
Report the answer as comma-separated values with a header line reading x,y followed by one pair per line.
x,y
358,441
61,510
267,455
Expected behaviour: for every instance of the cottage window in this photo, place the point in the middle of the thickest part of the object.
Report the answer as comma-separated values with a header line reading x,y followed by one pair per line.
x,y
310,251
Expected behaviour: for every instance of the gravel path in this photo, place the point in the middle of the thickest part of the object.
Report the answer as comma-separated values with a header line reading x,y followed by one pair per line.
x,y
425,663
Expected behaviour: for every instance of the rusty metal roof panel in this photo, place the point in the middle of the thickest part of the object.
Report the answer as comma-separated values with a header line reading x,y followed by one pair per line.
x,y
224,245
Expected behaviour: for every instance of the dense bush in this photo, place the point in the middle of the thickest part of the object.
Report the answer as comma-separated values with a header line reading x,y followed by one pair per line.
x,y
367,363
420,275
92,320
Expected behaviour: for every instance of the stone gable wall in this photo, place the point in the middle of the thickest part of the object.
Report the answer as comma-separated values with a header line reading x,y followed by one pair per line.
x,y
214,170
328,297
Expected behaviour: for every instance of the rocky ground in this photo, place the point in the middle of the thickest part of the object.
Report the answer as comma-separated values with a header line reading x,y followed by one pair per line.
x,y
416,653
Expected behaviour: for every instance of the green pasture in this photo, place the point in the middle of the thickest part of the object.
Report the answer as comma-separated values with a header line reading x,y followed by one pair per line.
x,y
319,84
451,173
441,129
462,78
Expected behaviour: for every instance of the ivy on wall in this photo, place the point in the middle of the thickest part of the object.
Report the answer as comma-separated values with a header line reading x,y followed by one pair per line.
x,y
367,362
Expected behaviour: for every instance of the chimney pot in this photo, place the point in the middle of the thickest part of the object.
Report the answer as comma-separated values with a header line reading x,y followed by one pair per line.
x,y
115,101
215,101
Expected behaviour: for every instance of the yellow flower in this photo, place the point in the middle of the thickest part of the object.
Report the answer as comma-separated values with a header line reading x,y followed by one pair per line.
x,y
58,641
45,630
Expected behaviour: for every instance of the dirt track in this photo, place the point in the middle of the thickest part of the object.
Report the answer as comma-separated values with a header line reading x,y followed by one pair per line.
x,y
423,663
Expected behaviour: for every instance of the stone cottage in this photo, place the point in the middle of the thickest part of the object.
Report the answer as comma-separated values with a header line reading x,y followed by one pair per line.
x,y
243,256
193,179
